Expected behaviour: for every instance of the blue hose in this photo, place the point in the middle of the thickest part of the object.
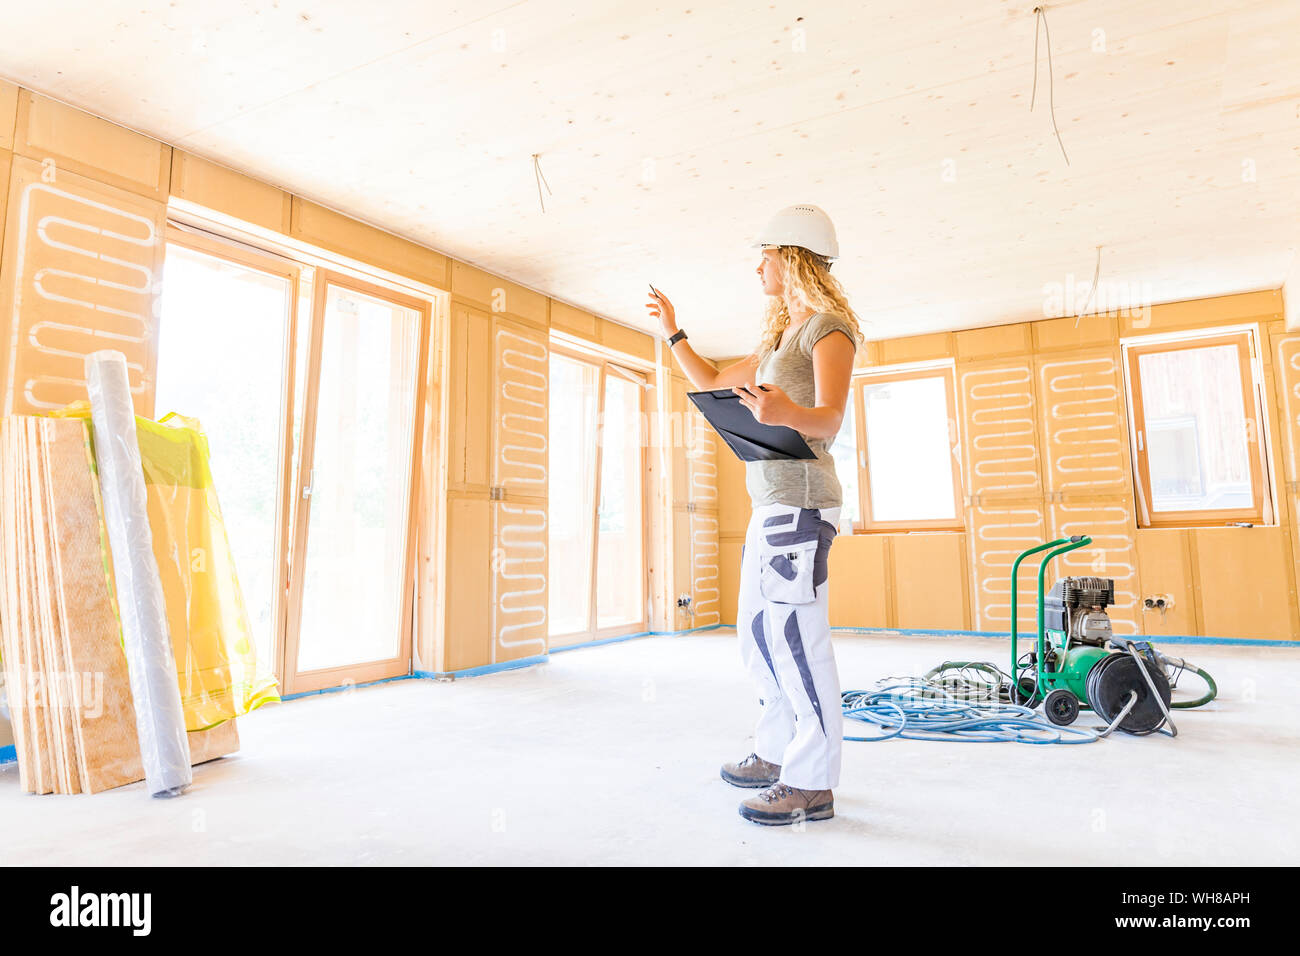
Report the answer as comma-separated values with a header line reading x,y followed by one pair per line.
x,y
916,710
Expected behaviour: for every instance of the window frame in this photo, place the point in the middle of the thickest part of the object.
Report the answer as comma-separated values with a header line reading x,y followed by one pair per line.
x,y
607,363
865,523
1253,410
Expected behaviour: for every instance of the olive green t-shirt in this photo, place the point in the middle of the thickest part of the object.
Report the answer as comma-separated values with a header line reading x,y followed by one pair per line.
x,y
806,483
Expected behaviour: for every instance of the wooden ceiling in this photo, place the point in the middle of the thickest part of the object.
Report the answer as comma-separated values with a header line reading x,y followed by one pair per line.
x,y
667,136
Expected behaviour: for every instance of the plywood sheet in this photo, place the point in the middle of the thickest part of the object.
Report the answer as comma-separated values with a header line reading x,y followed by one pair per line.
x,y
218,741
15,658
106,724
54,681
38,714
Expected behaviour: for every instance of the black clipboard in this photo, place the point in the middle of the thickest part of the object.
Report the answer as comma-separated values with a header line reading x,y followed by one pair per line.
x,y
744,434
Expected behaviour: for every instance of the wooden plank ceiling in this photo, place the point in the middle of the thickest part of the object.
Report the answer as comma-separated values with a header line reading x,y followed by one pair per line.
x,y
667,135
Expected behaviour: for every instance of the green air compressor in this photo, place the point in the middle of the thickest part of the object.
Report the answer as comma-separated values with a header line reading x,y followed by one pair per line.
x,y
1078,662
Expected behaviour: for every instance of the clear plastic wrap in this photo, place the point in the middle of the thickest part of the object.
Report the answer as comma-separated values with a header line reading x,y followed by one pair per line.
x,y
151,667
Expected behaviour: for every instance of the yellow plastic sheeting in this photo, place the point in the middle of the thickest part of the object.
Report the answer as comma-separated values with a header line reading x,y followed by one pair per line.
x,y
212,641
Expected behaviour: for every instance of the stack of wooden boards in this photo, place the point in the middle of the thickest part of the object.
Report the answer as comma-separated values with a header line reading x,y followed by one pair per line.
x,y
66,678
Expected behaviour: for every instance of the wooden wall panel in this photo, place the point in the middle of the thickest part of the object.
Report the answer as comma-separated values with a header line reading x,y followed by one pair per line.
x,y
519,572
1057,334
1243,579
1111,523
1165,567
705,570
48,131
6,164
1084,435
521,362
859,581
8,114
84,260
469,405
916,348
999,531
1286,355
733,496
498,296
218,187
350,237
992,342
1198,313
574,321
468,634
930,581
1000,424
729,557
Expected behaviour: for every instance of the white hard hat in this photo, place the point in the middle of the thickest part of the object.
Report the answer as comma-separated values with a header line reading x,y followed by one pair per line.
x,y
803,225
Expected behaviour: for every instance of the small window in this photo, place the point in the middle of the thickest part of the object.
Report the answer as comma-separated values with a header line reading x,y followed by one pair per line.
x,y
909,473
1198,457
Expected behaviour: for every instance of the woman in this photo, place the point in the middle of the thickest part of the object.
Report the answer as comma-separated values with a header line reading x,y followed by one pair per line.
x,y
782,615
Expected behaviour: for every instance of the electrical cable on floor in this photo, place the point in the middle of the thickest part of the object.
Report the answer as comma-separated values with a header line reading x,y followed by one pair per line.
x,y
915,709
967,701
1040,13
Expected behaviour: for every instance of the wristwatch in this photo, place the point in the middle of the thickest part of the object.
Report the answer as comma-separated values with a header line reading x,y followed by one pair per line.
x,y
676,337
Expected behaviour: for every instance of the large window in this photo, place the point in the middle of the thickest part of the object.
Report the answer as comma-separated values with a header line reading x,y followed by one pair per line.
x,y
597,498
903,471
308,383
1197,443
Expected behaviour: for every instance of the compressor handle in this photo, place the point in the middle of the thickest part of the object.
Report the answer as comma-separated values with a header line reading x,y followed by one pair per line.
x,y
1074,541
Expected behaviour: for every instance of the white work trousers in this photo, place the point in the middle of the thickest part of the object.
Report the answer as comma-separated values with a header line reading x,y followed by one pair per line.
x,y
783,625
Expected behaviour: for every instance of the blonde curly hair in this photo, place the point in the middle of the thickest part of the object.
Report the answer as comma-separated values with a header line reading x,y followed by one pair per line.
x,y
807,278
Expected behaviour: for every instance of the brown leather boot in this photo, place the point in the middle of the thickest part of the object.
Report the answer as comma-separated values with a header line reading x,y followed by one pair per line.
x,y
781,805
753,771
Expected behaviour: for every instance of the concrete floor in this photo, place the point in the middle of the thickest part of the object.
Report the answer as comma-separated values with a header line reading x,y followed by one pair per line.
x,y
610,755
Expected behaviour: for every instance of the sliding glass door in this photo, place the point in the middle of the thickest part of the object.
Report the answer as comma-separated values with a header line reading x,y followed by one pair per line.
x,y
225,335
597,584
351,569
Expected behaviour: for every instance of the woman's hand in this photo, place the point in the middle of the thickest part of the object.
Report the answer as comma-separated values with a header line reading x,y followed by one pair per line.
x,y
661,309
770,405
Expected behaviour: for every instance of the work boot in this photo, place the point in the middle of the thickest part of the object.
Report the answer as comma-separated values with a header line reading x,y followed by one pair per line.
x,y
781,805
753,771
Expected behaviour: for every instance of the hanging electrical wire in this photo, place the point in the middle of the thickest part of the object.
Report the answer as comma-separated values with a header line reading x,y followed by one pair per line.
x,y
1096,274
1041,17
541,179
